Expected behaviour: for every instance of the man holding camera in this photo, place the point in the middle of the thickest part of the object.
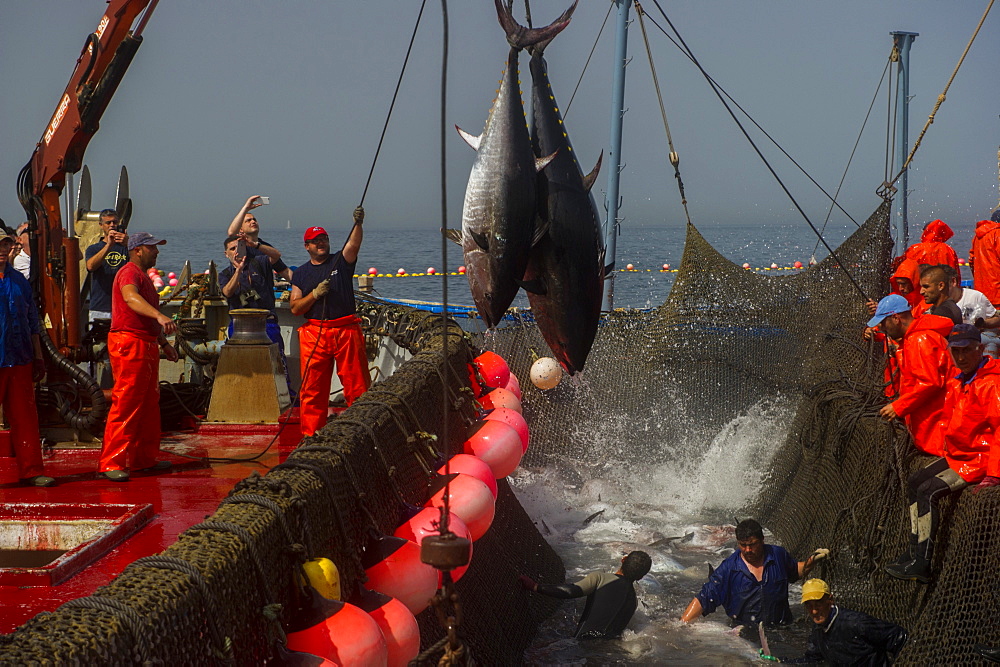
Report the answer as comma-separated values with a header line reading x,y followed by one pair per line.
x,y
323,291
246,222
104,259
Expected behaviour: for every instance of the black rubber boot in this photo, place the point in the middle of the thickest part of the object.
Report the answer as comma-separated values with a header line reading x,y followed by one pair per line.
x,y
918,569
910,553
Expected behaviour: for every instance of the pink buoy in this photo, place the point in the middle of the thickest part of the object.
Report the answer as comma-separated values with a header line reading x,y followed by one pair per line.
x,y
401,272
337,631
500,398
398,572
461,269
398,626
172,282
962,261
746,265
497,444
629,267
471,465
372,271
773,265
513,419
471,500
797,265
171,275
514,386
425,523
431,271
493,369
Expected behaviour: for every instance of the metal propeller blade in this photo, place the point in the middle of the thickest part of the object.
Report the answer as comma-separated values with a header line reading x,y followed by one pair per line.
x,y
83,194
126,216
122,195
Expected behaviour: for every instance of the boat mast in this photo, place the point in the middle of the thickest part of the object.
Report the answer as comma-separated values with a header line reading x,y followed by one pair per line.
x,y
902,41
615,151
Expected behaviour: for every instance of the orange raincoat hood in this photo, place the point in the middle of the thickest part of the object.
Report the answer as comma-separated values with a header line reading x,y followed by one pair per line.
x,y
936,230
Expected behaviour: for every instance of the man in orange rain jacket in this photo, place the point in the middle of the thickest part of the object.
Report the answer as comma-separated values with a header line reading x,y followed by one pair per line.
x,y
970,452
906,282
932,248
923,366
984,257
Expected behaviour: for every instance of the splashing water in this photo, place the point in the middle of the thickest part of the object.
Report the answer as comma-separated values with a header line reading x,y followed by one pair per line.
x,y
681,511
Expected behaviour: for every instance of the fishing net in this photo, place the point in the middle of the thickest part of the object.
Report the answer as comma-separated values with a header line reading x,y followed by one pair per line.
x,y
727,340
219,594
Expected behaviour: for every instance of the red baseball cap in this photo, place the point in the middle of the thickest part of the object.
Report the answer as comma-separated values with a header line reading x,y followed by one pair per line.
x,y
313,232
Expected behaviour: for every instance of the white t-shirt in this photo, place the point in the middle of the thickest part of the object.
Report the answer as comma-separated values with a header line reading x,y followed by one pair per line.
x,y
974,305
22,262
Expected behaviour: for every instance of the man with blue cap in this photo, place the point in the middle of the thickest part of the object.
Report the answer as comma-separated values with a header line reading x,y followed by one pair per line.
x,y
970,452
923,367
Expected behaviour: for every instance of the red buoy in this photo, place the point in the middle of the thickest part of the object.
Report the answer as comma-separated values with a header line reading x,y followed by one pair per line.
x,y
475,466
493,368
426,522
337,631
500,398
513,386
398,625
397,571
498,445
512,418
471,500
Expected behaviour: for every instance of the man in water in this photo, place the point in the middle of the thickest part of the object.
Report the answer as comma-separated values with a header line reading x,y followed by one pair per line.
x,y
752,583
611,599
935,288
246,222
138,333
923,366
845,637
104,259
970,451
323,291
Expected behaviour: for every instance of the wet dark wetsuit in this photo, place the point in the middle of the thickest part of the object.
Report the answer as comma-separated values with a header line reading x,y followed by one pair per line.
x,y
611,602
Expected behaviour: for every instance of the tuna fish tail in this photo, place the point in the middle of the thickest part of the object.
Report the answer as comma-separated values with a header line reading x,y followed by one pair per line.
x,y
520,37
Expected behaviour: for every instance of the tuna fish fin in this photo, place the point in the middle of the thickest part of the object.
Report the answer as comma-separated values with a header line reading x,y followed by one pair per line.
x,y
542,162
535,286
520,37
470,139
454,235
481,240
541,229
591,178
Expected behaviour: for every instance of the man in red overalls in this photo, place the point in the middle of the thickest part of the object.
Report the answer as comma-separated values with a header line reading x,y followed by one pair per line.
x,y
138,332
323,291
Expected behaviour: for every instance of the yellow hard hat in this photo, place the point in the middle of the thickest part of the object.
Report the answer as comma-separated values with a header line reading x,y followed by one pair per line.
x,y
323,575
814,589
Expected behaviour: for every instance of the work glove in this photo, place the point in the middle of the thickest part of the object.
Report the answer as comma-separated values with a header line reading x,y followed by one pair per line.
x,y
359,215
820,554
38,370
527,582
321,289
986,483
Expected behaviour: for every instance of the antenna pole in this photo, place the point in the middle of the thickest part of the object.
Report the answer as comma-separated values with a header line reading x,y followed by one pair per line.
x,y
903,41
615,150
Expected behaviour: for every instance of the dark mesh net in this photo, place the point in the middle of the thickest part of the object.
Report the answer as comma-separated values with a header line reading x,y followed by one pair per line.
x,y
727,339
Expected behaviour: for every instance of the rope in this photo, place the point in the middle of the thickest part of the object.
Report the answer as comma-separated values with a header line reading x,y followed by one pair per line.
x,y
587,64
944,93
129,617
392,104
674,158
795,203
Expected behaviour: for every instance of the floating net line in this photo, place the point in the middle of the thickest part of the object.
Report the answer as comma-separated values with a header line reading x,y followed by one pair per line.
x,y
218,594
726,339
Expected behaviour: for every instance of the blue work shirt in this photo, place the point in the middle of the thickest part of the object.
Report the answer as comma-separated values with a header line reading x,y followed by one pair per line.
x,y
18,319
746,600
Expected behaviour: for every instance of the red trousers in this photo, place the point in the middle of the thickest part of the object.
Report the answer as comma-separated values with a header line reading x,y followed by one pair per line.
x,y
321,344
17,394
132,436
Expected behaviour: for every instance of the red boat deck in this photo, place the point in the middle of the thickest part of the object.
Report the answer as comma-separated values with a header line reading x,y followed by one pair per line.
x,y
181,497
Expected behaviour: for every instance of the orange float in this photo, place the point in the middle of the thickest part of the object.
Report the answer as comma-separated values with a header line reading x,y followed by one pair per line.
x,y
337,631
470,500
514,386
497,444
514,419
500,398
426,523
472,465
398,626
492,368
393,567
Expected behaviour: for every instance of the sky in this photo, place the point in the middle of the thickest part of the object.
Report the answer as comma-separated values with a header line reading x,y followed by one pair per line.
x,y
228,99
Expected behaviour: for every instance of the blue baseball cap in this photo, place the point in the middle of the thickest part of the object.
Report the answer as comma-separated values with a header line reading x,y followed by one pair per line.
x,y
143,238
964,335
890,305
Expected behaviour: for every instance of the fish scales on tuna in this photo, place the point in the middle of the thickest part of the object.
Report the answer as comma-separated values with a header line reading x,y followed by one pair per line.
x,y
565,274
498,217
